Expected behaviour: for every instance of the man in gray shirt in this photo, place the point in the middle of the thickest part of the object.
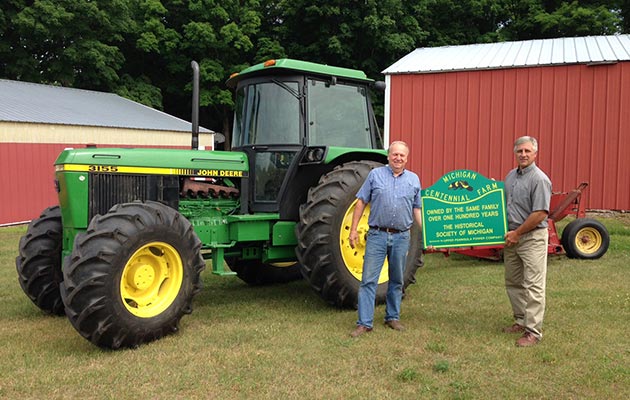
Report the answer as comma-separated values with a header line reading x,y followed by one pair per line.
x,y
528,193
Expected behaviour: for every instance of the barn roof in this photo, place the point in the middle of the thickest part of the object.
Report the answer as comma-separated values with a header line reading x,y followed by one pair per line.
x,y
528,53
37,103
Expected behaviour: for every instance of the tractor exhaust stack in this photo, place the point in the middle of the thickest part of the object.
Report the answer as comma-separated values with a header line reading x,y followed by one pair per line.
x,y
195,105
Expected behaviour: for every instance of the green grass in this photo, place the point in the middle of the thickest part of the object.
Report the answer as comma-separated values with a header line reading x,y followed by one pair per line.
x,y
284,342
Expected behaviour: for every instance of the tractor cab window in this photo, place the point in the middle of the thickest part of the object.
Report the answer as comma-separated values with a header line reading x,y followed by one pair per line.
x,y
338,115
267,113
271,168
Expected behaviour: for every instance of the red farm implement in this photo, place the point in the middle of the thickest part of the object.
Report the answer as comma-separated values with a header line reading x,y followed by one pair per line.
x,y
583,237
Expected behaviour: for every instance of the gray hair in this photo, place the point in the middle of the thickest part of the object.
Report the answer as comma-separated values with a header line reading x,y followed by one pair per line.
x,y
398,142
525,139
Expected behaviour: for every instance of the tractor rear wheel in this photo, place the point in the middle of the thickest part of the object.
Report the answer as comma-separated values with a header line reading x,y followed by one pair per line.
x,y
585,238
39,263
257,273
328,262
132,275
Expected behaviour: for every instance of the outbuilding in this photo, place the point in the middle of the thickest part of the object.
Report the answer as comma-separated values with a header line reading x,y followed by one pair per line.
x,y
38,121
461,107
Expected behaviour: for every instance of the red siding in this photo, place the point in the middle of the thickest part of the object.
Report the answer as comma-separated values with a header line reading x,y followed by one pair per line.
x,y
27,179
469,120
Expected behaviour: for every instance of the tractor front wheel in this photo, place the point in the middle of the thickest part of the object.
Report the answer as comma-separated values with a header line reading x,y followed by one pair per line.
x,y
329,264
132,275
39,262
585,238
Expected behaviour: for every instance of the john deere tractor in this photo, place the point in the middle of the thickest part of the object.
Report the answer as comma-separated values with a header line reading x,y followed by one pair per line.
x,y
122,253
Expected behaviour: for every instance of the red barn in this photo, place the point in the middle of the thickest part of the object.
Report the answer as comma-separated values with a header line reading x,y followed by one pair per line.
x,y
38,121
461,107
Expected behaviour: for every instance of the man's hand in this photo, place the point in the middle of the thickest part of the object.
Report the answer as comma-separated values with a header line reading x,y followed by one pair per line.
x,y
512,238
356,216
532,221
354,238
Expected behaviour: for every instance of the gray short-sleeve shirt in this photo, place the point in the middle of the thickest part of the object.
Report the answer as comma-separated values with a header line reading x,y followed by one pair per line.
x,y
526,191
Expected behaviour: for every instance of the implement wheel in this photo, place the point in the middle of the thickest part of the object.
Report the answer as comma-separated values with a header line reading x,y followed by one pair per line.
x,y
328,262
132,275
585,238
39,263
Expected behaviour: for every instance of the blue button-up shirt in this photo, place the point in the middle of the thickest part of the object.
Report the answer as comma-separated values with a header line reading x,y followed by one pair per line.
x,y
392,198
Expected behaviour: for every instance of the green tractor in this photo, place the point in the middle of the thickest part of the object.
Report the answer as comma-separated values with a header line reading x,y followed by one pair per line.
x,y
123,252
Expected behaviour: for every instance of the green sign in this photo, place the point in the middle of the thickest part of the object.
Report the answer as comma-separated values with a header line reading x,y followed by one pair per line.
x,y
464,208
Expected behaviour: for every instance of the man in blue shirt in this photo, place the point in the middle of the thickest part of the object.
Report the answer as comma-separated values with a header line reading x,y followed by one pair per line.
x,y
394,197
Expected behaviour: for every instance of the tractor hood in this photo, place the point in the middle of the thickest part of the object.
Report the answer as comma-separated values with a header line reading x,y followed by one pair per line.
x,y
153,162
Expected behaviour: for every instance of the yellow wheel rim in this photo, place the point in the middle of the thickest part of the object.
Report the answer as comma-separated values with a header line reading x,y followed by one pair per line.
x,y
151,279
353,258
588,240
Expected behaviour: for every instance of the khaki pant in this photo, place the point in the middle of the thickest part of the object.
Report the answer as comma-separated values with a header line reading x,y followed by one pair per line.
x,y
525,279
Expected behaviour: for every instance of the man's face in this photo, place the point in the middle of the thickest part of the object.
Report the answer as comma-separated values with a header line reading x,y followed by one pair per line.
x,y
525,154
397,157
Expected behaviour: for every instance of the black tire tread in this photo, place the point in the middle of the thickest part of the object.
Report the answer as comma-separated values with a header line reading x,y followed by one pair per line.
x,y
91,274
39,261
570,232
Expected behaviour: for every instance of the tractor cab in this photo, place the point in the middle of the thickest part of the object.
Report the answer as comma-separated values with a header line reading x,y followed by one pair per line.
x,y
288,116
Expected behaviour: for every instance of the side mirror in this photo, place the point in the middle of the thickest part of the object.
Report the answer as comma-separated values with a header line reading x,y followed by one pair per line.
x,y
380,86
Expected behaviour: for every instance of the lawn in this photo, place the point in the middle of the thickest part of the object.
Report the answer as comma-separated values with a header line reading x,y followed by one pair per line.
x,y
284,342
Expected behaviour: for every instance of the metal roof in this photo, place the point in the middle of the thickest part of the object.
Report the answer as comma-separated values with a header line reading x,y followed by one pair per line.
x,y
37,103
529,53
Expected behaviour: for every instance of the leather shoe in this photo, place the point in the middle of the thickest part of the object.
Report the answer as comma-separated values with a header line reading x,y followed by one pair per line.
x,y
395,325
360,330
516,328
528,339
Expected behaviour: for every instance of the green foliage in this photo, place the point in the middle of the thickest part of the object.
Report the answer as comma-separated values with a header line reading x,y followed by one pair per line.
x,y
441,366
451,22
140,90
368,35
408,375
537,19
142,49
571,19
67,42
436,347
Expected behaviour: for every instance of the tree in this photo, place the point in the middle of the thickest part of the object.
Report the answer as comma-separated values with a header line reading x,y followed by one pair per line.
x,y
539,19
65,42
367,34
221,36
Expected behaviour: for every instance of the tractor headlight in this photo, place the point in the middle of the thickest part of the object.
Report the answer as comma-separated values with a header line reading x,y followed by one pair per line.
x,y
314,155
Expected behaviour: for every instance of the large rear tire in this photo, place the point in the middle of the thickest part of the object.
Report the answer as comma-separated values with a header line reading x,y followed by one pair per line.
x,y
585,238
39,262
328,262
132,275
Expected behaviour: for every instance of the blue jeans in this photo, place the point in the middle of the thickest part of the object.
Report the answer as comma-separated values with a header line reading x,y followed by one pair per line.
x,y
379,245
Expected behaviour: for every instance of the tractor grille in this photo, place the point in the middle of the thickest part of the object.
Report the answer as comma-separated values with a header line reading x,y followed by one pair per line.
x,y
107,190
